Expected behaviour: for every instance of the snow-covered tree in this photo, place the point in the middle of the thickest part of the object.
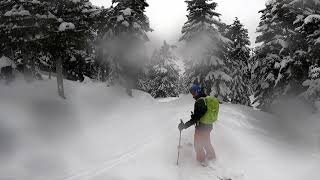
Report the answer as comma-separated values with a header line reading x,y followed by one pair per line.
x,y
240,54
6,69
276,26
102,25
163,76
285,56
21,30
39,29
69,36
313,83
208,60
125,38
309,21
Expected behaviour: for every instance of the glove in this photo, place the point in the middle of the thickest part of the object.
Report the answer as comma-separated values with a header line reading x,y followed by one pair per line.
x,y
192,115
181,126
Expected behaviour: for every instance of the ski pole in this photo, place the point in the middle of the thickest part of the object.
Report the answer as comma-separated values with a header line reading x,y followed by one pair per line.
x,y
179,145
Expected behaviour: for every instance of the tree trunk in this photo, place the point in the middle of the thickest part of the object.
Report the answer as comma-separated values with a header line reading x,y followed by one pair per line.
x,y
26,71
129,92
129,86
103,73
60,77
101,66
33,67
50,70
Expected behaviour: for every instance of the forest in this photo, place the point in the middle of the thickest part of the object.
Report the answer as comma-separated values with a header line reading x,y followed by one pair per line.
x,y
78,41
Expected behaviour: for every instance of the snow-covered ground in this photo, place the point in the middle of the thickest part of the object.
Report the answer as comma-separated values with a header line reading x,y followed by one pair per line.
x,y
100,133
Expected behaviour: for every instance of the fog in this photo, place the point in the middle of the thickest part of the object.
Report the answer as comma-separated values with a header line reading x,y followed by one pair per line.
x,y
99,128
298,122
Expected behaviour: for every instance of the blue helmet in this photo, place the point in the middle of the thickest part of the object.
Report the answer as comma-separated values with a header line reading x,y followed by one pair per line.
x,y
196,88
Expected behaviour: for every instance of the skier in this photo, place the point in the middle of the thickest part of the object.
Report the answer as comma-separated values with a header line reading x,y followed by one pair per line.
x,y
206,110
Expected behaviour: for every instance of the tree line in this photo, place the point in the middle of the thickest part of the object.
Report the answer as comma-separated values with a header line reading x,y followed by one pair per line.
x,y
74,39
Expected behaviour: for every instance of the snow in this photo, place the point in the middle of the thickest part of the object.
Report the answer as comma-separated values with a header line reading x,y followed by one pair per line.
x,y
270,77
179,63
317,103
315,70
160,69
317,41
41,16
264,27
120,18
298,19
218,75
272,57
274,8
166,100
265,85
73,59
136,25
35,1
64,26
215,61
125,23
5,61
312,18
300,52
283,43
127,12
224,39
17,12
100,133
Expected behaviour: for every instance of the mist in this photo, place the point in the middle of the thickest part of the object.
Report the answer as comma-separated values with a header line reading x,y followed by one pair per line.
x,y
298,122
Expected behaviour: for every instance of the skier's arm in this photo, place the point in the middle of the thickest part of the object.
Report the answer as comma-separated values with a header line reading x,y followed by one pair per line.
x,y
200,109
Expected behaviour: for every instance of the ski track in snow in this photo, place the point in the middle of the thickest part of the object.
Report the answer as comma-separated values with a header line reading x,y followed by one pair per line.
x,y
150,146
89,174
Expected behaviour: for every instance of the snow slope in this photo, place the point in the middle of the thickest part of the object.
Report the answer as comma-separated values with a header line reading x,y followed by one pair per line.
x,y
99,133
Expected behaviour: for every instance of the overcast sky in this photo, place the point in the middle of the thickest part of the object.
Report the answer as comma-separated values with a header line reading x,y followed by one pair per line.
x,y
168,16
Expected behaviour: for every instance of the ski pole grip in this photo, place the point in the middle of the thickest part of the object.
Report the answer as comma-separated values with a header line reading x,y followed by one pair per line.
x,y
180,123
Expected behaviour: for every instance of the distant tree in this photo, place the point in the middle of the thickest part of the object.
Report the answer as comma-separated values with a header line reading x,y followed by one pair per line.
x,y
163,75
239,54
125,38
208,59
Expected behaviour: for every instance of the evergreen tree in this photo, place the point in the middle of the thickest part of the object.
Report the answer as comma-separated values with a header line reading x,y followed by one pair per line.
x,y
285,56
273,58
22,30
102,26
240,54
125,38
209,63
309,21
41,29
69,36
312,94
163,76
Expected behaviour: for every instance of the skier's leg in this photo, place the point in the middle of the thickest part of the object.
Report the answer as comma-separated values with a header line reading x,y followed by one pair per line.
x,y
198,145
210,153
